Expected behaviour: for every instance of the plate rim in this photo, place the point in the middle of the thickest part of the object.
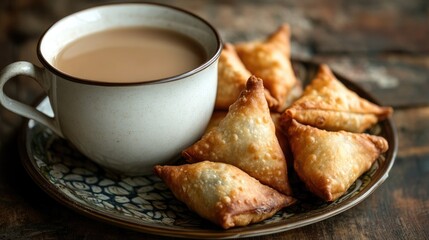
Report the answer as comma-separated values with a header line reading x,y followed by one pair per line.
x,y
380,176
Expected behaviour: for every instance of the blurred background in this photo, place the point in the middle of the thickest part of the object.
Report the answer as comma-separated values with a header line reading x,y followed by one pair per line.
x,y
381,45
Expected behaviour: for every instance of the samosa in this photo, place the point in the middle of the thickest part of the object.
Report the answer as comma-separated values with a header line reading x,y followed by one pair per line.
x,y
222,193
327,104
246,138
330,162
270,60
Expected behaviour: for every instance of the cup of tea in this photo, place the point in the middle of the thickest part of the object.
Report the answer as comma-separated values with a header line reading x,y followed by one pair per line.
x,y
130,84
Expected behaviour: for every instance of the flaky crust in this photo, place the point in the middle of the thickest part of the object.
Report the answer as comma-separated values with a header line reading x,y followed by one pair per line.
x,y
329,162
326,103
270,60
222,193
246,138
232,77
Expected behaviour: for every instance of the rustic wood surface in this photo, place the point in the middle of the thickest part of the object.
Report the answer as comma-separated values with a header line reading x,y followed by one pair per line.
x,y
381,45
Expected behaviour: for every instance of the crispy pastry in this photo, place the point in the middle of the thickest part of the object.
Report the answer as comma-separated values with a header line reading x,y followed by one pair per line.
x,y
329,162
326,103
222,193
282,138
246,138
217,116
270,60
232,77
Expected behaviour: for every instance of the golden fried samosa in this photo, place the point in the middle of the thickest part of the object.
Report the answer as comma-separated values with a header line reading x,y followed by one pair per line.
x,y
326,103
281,136
217,116
270,60
232,77
330,162
222,193
246,138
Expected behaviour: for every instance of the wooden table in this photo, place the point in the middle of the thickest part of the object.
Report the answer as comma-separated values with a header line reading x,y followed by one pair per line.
x,y
383,46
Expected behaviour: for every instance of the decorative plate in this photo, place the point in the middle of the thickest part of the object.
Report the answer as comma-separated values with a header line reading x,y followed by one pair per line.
x,y
145,204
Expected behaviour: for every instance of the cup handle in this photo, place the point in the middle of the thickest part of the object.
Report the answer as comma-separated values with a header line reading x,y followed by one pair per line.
x,y
39,75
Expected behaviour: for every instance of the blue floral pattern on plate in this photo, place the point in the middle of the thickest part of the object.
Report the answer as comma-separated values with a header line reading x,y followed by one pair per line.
x,y
144,203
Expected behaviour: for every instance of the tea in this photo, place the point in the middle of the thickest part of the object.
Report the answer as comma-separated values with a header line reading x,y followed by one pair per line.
x,y
131,54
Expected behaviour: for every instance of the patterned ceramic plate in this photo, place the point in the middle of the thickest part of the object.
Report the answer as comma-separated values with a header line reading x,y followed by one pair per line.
x,y
144,203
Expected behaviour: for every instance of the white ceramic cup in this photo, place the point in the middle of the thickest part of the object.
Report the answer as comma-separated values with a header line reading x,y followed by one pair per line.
x,y
123,127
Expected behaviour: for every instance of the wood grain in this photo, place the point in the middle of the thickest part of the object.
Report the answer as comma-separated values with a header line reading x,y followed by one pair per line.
x,y
381,45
